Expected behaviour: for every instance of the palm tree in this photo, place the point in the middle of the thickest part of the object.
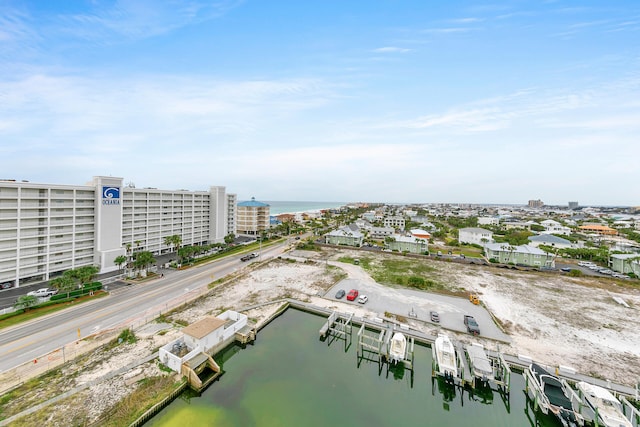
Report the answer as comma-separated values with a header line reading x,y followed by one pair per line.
x,y
175,241
119,261
86,273
143,260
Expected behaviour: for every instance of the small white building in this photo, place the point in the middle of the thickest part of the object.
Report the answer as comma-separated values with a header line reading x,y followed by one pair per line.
x,y
395,221
207,336
475,236
554,227
488,220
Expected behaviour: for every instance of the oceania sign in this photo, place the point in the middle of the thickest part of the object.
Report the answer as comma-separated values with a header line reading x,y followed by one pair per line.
x,y
110,195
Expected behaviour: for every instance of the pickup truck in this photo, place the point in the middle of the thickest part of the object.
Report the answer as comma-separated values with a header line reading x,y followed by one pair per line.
x,y
472,325
42,293
249,256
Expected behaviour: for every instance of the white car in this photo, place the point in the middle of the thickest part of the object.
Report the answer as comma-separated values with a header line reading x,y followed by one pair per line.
x,y
363,299
42,292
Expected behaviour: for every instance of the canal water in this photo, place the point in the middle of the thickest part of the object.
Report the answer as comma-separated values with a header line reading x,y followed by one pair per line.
x,y
289,377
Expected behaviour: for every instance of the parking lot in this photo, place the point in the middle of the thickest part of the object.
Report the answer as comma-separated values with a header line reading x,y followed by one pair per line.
x,y
415,305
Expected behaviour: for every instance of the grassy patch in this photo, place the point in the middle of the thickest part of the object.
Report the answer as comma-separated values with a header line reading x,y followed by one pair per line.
x,y
21,316
403,272
32,392
149,392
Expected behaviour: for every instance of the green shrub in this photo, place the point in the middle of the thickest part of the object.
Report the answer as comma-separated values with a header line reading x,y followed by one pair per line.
x,y
127,336
13,313
416,282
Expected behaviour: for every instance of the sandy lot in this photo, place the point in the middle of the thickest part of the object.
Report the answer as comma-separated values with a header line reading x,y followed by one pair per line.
x,y
554,319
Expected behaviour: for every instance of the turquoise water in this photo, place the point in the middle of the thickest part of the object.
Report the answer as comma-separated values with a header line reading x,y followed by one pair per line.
x,y
279,207
291,378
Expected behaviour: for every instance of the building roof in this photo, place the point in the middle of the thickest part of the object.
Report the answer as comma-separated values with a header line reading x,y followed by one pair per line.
x,y
476,230
204,327
525,249
253,203
408,239
625,256
549,238
345,232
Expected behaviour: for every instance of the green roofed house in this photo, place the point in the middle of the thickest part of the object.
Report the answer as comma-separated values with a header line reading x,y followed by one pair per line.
x,y
625,263
520,255
344,236
411,244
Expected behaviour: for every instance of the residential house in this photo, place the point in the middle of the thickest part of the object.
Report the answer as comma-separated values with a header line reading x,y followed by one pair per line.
x,y
488,220
475,236
554,227
344,236
420,234
409,244
519,255
550,240
625,263
395,221
381,232
602,230
516,224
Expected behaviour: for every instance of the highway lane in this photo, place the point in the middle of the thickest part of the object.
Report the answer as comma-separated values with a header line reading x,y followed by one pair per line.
x,y
25,342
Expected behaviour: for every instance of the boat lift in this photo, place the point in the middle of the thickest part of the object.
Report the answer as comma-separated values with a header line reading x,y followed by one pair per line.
x,y
338,326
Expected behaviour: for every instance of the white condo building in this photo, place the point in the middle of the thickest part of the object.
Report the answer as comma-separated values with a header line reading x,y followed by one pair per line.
x,y
46,229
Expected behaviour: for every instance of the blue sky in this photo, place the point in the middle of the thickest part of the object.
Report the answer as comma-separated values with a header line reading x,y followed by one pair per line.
x,y
380,101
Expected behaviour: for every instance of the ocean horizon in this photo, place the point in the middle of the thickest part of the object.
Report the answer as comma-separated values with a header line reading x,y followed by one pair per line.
x,y
277,207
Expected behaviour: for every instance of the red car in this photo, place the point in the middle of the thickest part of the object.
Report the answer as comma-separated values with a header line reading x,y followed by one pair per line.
x,y
352,295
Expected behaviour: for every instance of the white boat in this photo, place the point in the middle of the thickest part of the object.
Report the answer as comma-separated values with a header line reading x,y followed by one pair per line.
x,y
604,404
480,364
445,354
398,347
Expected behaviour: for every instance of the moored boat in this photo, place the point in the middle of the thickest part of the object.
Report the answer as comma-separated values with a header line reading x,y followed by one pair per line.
x,y
480,365
552,395
606,407
445,355
398,347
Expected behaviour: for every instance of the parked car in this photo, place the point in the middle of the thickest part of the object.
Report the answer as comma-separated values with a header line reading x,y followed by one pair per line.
x,y
352,295
42,292
340,294
363,299
6,285
472,325
435,317
566,269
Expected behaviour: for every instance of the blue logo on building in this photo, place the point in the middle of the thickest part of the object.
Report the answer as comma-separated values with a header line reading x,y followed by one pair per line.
x,y
110,195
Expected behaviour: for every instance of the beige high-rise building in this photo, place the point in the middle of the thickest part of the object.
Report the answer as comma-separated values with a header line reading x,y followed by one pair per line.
x,y
252,217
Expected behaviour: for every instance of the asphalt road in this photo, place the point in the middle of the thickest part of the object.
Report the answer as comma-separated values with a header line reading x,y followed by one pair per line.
x,y
123,306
